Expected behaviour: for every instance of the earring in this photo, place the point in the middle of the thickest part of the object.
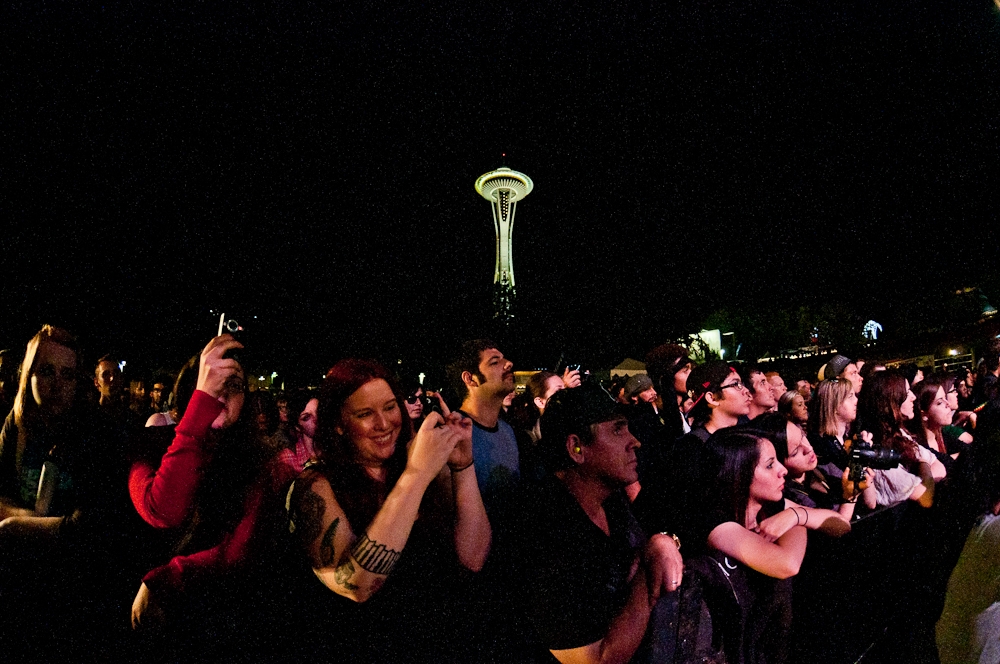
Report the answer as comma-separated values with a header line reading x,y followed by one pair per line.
x,y
577,449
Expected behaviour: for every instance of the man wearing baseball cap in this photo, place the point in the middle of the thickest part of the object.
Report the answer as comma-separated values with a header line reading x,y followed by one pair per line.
x,y
840,366
590,576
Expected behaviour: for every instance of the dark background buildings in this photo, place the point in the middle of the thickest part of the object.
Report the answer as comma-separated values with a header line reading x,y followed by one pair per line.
x,y
312,164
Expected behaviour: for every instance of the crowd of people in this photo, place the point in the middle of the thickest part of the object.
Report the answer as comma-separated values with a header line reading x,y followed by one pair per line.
x,y
708,512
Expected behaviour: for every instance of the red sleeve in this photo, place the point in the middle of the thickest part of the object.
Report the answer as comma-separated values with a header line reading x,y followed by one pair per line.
x,y
169,580
164,497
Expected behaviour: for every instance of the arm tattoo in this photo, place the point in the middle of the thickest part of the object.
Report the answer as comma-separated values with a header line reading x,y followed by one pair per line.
x,y
342,575
307,518
326,552
374,557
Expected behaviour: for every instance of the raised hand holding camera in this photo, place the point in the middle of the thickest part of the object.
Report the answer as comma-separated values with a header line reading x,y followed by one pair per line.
x,y
215,369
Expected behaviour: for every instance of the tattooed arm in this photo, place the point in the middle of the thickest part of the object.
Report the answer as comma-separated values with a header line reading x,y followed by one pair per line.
x,y
347,564
355,564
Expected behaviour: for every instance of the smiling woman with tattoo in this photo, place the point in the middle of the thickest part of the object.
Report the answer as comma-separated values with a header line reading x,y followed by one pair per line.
x,y
381,508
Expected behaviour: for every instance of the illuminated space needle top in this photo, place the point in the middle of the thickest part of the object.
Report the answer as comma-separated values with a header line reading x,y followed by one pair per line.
x,y
504,188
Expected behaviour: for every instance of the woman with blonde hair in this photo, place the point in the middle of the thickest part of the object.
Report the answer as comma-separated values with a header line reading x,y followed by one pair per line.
x,y
62,484
38,426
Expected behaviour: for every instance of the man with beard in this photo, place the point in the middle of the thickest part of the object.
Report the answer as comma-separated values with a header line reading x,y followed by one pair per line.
x,y
484,377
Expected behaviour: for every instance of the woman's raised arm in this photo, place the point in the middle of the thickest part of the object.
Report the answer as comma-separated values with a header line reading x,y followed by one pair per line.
x,y
780,559
356,565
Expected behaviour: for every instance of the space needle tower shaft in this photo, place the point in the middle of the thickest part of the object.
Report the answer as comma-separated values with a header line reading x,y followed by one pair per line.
x,y
503,188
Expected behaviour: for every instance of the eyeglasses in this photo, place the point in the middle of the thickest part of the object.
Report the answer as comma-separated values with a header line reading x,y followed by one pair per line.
x,y
738,385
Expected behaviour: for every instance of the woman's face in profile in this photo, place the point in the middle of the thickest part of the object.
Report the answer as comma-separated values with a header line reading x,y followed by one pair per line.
x,y
848,410
799,410
680,379
940,413
769,475
53,379
307,418
801,457
232,398
906,408
371,418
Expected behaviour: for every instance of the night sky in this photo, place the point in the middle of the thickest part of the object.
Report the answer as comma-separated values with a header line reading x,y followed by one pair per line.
x,y
312,164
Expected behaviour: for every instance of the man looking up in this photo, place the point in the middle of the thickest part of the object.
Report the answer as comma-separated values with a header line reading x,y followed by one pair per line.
x,y
842,367
804,387
776,383
483,376
761,399
590,577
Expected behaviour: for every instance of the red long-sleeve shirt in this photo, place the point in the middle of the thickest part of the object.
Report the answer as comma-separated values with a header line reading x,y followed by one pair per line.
x,y
164,496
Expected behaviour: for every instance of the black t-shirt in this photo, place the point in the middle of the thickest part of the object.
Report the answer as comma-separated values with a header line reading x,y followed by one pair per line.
x,y
575,578
671,500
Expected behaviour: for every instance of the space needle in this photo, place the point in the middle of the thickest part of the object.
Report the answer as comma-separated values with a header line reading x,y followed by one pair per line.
x,y
503,188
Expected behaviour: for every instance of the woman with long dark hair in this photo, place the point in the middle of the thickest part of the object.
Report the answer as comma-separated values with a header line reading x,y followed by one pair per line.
x,y
302,407
934,411
524,415
218,489
885,403
758,537
387,522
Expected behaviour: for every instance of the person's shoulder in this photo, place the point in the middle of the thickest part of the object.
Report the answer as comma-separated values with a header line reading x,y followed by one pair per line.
x,y
506,430
533,500
689,443
158,420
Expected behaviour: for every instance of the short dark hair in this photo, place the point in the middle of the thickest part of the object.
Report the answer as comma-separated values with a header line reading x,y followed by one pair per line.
x,y
747,370
705,378
106,358
469,356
